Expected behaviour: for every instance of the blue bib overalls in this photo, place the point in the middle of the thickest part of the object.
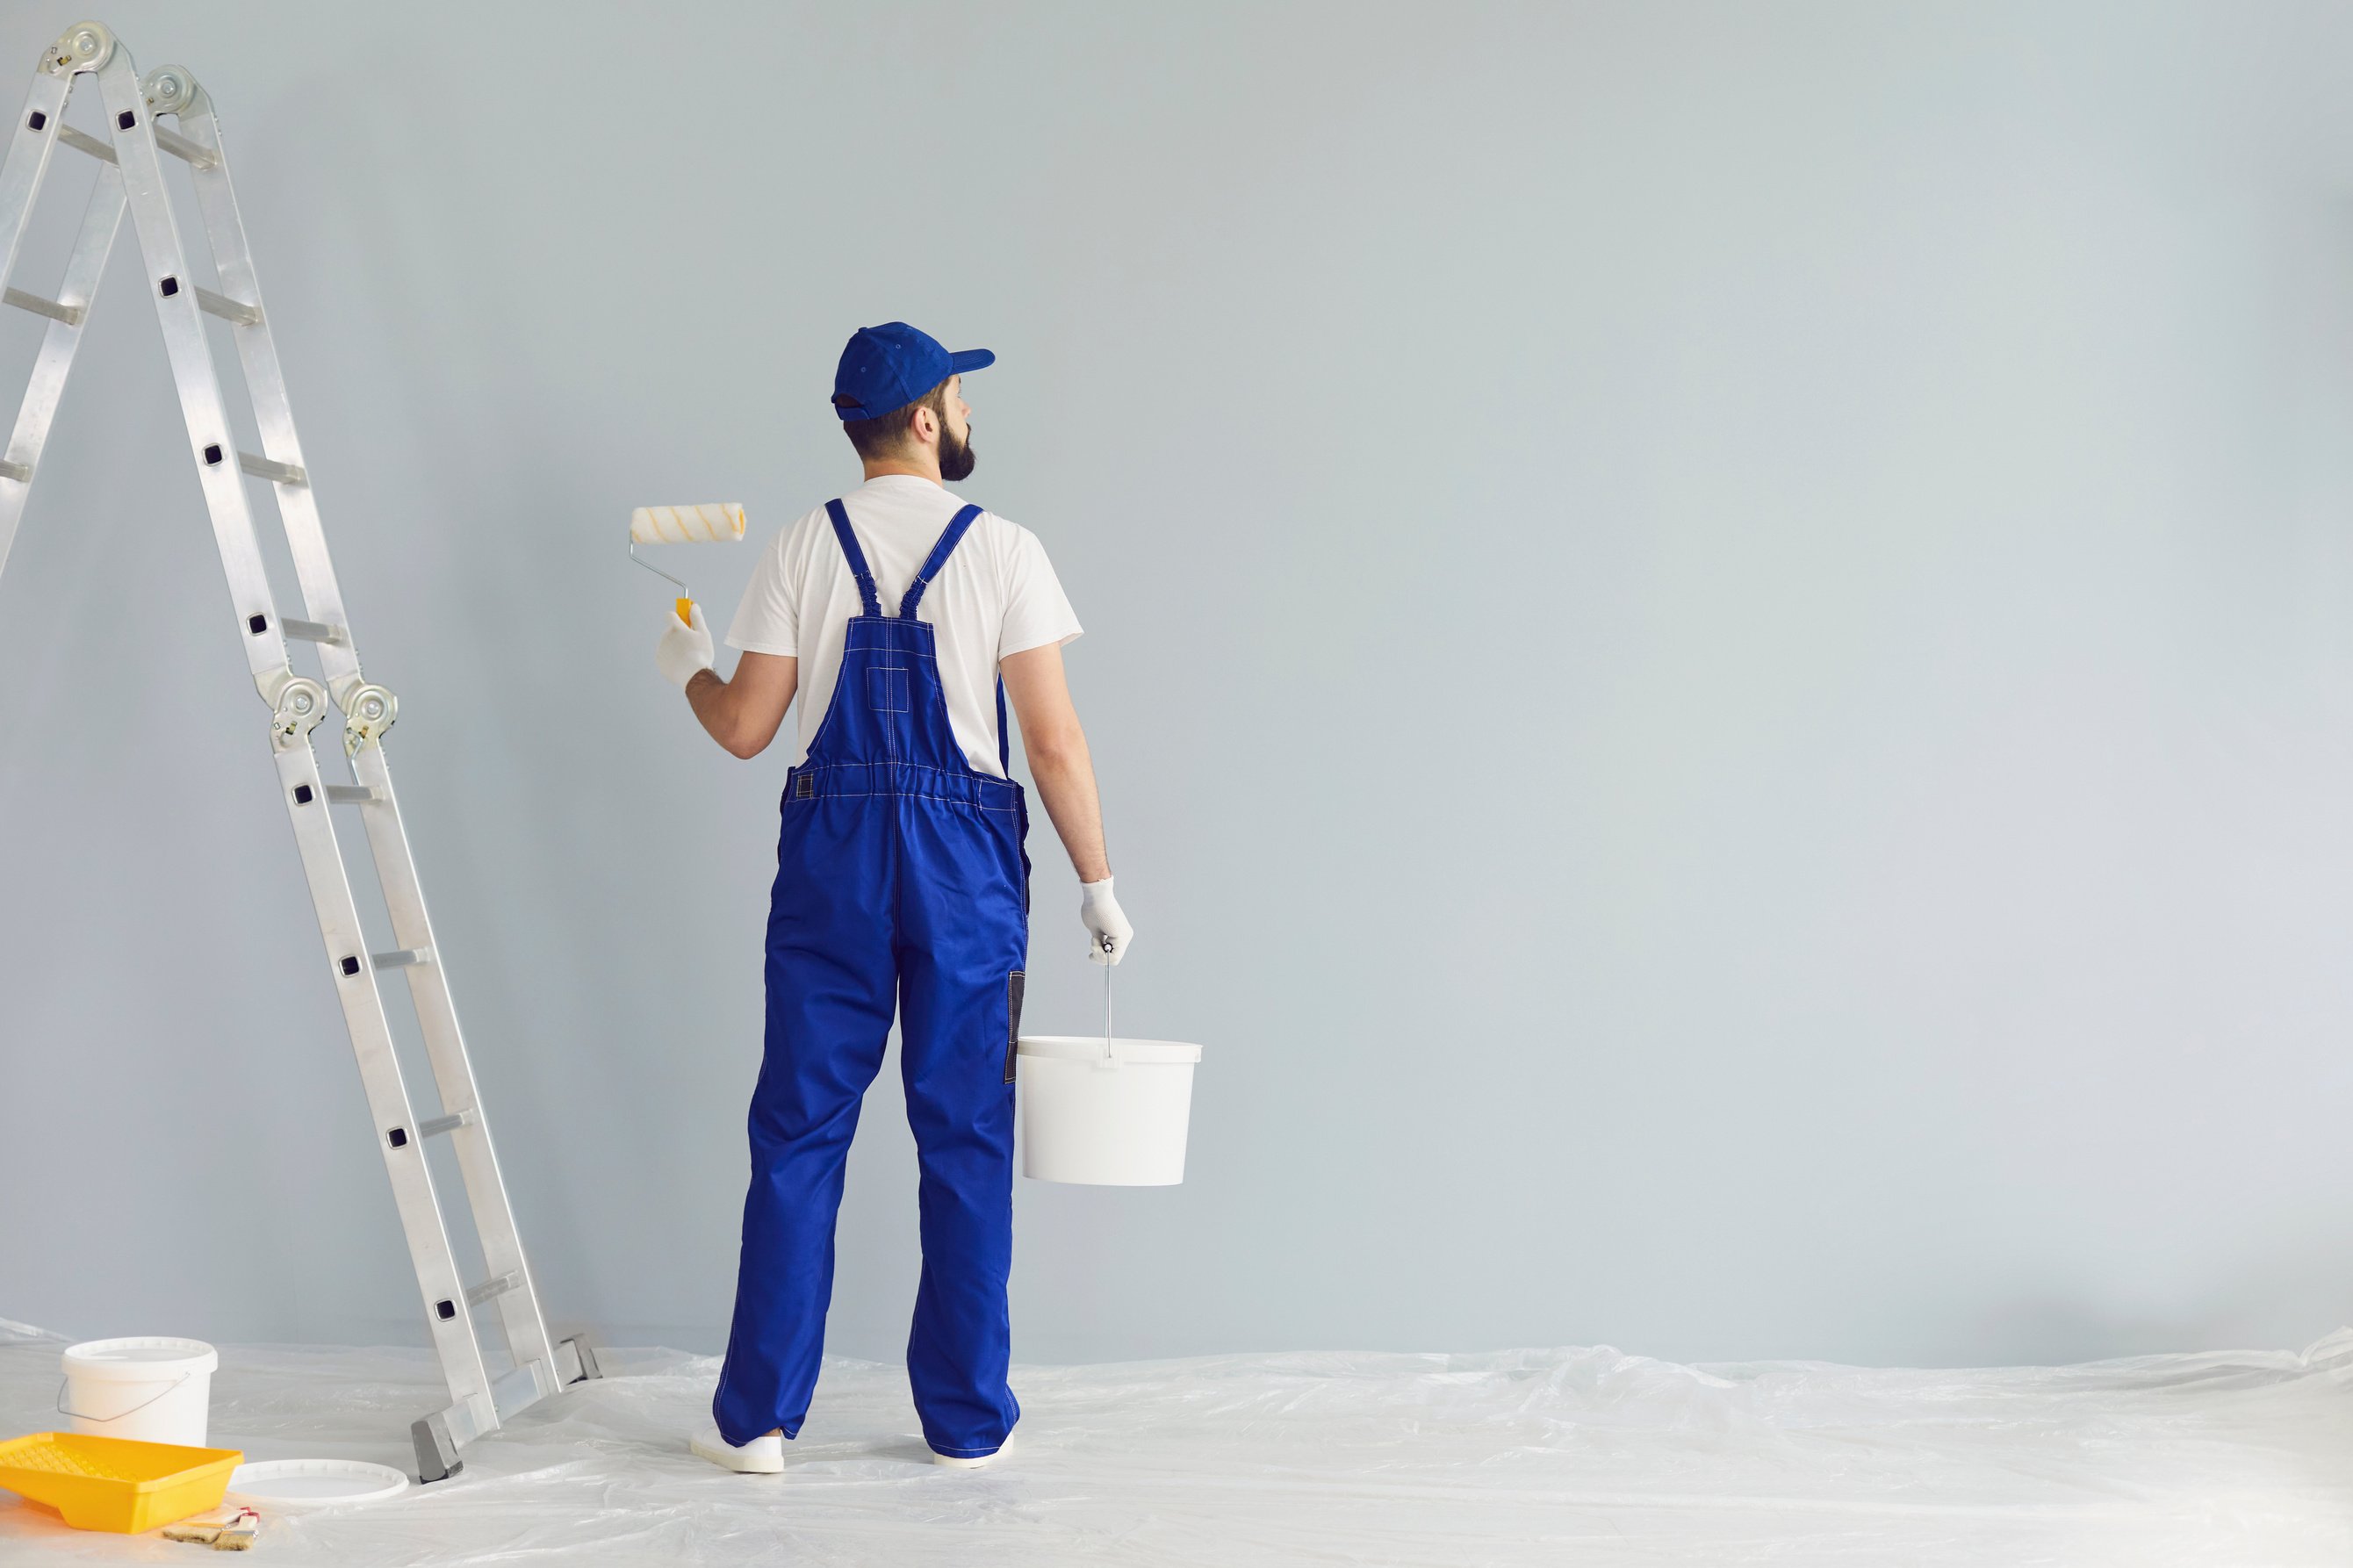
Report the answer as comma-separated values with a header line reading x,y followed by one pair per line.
x,y
901,885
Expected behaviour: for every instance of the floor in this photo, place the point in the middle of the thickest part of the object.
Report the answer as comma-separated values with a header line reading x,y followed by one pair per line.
x,y
1583,1457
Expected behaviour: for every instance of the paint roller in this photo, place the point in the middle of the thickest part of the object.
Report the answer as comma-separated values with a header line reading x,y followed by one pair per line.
x,y
713,521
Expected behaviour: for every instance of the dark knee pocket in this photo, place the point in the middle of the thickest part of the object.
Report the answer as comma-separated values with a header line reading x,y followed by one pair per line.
x,y
1013,985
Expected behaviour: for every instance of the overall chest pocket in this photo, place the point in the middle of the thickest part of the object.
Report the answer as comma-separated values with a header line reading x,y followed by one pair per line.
x,y
886,690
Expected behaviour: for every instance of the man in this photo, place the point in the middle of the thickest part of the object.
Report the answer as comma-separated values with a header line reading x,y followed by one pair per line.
x,y
901,885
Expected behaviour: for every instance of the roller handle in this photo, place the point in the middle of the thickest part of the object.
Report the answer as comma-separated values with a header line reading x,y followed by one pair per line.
x,y
686,611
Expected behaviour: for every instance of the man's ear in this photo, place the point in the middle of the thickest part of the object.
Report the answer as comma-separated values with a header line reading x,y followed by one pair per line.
x,y
923,424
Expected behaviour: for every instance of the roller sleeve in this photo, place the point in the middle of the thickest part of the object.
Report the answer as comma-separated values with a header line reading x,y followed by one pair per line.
x,y
711,522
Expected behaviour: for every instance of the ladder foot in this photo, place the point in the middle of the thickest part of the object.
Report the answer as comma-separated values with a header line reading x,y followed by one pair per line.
x,y
437,1455
585,1354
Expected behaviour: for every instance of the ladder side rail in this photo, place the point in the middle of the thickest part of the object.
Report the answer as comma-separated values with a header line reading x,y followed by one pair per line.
x,y
100,221
439,1283
134,183
453,1072
28,154
201,404
486,1194
265,383
205,412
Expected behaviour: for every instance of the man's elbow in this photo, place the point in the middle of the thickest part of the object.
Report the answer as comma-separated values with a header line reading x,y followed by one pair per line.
x,y
737,740
1055,753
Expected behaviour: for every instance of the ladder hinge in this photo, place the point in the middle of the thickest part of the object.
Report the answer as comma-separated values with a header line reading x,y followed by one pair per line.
x,y
84,47
368,711
298,704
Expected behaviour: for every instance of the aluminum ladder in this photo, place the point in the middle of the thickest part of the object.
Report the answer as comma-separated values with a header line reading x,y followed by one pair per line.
x,y
131,175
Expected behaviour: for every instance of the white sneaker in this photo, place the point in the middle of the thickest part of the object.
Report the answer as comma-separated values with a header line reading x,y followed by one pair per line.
x,y
979,1462
763,1455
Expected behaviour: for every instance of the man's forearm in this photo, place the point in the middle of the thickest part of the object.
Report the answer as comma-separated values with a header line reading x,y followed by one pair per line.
x,y
1066,783
715,704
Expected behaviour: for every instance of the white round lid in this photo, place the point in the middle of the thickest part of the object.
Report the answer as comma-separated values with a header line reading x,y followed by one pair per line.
x,y
315,1483
1085,1047
140,1359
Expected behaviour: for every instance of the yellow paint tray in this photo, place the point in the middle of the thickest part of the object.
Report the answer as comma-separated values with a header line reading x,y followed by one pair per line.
x,y
113,1483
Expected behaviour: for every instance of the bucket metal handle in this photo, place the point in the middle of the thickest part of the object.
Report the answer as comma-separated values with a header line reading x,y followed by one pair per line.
x,y
1109,1060
118,1416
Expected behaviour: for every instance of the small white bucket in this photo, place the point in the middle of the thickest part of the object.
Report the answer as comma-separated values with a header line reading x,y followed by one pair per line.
x,y
1112,1118
148,1390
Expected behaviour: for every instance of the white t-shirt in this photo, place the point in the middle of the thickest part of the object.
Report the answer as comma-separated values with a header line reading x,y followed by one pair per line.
x,y
996,595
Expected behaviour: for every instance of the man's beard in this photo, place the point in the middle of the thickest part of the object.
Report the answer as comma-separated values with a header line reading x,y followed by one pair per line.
x,y
955,454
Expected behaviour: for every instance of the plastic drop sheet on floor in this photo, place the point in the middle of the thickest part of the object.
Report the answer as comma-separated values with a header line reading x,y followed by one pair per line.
x,y
1585,1456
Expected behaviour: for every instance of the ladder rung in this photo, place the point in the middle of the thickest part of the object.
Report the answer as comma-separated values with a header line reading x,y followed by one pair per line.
x,y
352,795
313,631
228,310
84,141
517,1389
402,958
440,1124
21,472
171,141
489,1288
180,146
70,315
263,469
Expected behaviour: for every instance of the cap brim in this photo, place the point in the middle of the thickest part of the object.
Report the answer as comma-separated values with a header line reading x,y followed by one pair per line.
x,y
970,359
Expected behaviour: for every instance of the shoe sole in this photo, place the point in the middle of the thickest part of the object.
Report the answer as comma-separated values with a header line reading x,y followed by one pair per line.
x,y
950,1462
736,1462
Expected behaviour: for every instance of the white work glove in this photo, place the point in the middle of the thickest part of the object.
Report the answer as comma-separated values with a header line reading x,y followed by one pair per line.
x,y
683,648
1108,935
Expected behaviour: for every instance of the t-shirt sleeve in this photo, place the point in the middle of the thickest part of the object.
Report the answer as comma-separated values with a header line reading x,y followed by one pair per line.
x,y
1037,612
768,619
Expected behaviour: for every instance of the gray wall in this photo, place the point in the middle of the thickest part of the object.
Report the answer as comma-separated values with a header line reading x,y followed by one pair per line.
x,y
1719,655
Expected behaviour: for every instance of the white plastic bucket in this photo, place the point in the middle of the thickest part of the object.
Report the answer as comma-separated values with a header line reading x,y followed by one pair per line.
x,y
148,1390
1113,1118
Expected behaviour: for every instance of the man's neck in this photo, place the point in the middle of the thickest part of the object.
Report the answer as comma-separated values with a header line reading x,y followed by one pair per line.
x,y
877,466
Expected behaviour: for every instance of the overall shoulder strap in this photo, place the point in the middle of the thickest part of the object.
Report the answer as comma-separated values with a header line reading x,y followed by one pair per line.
x,y
1004,741
834,510
938,558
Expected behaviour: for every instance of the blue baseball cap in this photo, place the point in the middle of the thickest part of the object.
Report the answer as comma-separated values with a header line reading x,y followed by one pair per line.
x,y
890,366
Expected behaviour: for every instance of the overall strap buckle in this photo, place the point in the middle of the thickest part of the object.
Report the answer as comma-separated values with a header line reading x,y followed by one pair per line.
x,y
857,557
938,558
